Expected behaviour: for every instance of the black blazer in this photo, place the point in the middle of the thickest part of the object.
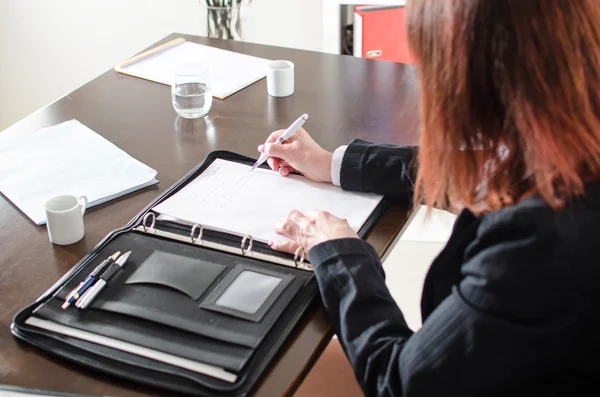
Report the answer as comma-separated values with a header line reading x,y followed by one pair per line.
x,y
510,307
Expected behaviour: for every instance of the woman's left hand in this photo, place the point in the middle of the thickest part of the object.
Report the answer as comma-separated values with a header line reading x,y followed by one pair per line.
x,y
310,229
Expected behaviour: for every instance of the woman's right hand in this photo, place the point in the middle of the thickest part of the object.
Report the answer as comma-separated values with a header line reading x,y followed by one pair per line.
x,y
299,154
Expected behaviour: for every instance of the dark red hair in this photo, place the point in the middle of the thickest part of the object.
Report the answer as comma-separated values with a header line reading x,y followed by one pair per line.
x,y
509,99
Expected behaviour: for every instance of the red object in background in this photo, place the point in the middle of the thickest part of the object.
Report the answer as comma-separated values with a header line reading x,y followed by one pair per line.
x,y
380,33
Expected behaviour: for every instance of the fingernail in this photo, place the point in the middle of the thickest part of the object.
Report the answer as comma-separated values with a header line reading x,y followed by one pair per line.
x,y
270,243
261,148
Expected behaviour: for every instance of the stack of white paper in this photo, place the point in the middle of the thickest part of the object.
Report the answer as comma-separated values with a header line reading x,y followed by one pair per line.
x,y
67,158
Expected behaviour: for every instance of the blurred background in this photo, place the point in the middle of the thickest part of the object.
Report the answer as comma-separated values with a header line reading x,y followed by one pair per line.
x,y
50,47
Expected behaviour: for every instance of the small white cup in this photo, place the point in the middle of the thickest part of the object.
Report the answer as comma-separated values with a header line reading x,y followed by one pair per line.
x,y
64,218
280,78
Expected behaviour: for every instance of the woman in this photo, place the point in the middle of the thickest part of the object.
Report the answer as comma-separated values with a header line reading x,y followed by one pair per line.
x,y
510,113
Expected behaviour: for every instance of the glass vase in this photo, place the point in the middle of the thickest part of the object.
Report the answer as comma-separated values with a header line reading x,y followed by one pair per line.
x,y
225,22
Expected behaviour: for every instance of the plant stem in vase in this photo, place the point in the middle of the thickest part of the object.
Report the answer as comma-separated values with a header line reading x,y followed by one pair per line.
x,y
225,18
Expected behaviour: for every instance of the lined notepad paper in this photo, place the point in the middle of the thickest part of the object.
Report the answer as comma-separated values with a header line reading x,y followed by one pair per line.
x,y
229,71
230,198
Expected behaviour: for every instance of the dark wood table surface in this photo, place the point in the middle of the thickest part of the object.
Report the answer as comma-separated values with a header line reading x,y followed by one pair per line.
x,y
345,97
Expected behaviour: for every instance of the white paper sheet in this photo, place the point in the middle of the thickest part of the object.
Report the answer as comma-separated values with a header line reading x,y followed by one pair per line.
x,y
408,261
227,196
67,158
405,269
229,71
435,229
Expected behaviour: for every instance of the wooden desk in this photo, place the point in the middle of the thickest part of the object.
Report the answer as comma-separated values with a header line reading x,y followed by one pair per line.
x,y
345,97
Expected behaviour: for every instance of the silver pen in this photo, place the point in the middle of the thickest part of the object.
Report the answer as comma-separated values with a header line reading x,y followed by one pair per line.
x,y
89,296
287,134
88,283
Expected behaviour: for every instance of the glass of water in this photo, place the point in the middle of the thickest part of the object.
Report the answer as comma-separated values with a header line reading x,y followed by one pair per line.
x,y
190,92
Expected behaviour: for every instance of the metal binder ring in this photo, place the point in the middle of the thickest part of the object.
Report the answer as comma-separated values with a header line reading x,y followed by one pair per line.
x,y
193,234
145,220
299,250
247,251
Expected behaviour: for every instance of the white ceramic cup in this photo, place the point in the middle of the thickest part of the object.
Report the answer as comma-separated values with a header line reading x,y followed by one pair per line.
x,y
64,218
280,78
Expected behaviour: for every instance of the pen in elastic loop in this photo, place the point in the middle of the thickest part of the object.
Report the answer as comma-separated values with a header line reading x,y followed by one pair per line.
x,y
107,277
85,285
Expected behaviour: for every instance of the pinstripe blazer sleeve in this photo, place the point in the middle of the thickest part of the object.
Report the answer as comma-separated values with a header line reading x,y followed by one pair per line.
x,y
383,169
508,321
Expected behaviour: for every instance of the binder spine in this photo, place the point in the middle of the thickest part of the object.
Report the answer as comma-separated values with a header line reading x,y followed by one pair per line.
x,y
148,226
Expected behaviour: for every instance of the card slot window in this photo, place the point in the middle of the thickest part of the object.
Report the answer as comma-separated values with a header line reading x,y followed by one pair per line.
x,y
247,292
240,297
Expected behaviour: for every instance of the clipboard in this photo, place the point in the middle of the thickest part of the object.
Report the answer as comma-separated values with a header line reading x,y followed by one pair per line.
x,y
236,344
229,71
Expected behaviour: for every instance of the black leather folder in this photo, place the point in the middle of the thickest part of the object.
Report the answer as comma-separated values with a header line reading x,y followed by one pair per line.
x,y
200,297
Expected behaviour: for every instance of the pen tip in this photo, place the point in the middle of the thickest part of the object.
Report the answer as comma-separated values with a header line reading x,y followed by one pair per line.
x,y
305,116
115,255
123,258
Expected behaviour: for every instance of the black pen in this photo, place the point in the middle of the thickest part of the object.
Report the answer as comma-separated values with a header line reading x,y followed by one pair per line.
x,y
104,279
89,281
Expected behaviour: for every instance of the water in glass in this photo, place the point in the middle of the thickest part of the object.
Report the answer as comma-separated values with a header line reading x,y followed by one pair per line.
x,y
191,94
